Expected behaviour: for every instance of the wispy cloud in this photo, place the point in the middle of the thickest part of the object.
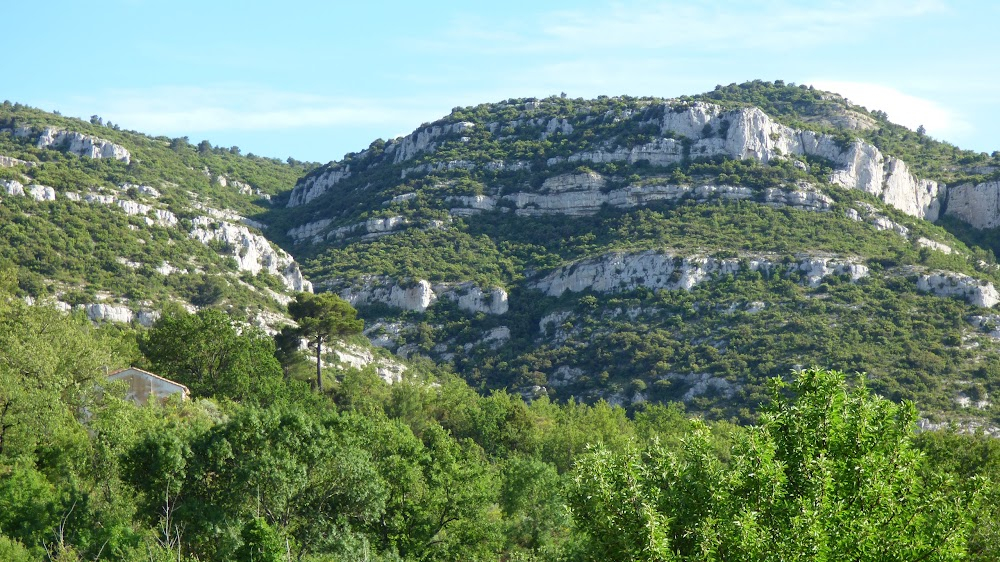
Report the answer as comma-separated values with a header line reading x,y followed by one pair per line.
x,y
905,109
643,25
235,107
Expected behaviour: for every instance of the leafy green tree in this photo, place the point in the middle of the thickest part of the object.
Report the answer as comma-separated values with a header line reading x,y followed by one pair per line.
x,y
206,352
830,474
260,543
321,318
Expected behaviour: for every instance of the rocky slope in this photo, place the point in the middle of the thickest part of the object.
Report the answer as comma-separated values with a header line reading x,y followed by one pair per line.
x,y
118,238
628,249
523,241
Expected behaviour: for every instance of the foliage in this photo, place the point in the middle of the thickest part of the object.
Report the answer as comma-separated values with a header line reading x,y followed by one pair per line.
x,y
831,474
323,317
207,353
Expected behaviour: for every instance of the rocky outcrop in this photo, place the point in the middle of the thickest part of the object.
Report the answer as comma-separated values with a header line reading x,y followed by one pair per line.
x,y
934,245
358,358
976,204
423,140
471,298
418,296
10,162
582,195
41,192
752,134
101,312
589,181
701,383
252,252
76,143
619,271
368,230
151,215
12,187
146,190
947,284
309,231
313,186
437,167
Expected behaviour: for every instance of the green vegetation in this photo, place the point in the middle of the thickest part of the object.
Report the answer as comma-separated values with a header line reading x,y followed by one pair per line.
x,y
258,467
81,252
322,318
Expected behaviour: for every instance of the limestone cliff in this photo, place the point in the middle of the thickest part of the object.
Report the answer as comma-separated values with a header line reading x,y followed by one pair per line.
x,y
253,252
976,204
421,294
76,143
653,269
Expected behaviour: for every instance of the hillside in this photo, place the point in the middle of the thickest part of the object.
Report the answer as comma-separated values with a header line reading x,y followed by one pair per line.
x,y
119,224
630,249
640,249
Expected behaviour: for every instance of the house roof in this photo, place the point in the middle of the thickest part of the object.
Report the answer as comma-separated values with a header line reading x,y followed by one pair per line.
x,y
147,373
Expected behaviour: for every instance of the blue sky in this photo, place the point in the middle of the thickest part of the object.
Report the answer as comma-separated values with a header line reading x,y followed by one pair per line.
x,y
317,79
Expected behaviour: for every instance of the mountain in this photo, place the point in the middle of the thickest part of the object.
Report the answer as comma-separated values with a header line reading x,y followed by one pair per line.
x,y
120,224
644,249
627,249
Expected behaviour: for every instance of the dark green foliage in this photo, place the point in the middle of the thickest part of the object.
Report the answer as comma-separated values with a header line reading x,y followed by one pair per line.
x,y
208,354
322,318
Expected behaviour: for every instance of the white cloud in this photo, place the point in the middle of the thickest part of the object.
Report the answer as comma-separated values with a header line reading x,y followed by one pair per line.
x,y
905,109
233,107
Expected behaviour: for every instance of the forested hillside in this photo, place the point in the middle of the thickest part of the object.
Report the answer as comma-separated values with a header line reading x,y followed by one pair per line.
x,y
256,466
640,249
753,324
120,224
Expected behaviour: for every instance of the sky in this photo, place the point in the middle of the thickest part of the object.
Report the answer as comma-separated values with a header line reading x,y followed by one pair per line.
x,y
314,80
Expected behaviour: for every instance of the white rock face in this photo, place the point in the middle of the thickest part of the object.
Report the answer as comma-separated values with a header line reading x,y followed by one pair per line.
x,y
884,223
496,337
142,190
13,187
77,143
422,294
314,186
252,251
10,162
437,167
423,140
309,231
580,195
702,383
978,205
591,181
416,297
100,312
357,357
473,299
947,284
750,133
989,323
370,229
72,195
918,198
934,245
618,271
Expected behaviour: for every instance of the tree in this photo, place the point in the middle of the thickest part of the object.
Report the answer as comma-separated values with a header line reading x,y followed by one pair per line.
x,y
208,354
321,318
831,474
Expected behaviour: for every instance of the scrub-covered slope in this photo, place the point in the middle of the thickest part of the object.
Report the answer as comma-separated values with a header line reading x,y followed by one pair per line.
x,y
118,223
646,249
